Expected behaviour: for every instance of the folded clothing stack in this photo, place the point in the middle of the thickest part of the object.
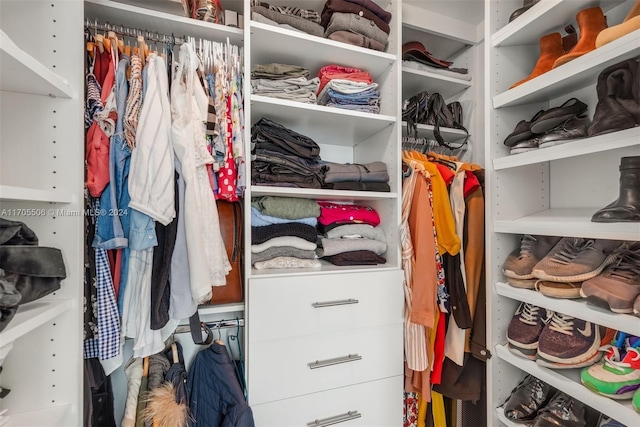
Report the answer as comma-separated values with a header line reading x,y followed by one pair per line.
x,y
294,18
348,88
350,235
285,82
354,176
357,22
283,232
284,158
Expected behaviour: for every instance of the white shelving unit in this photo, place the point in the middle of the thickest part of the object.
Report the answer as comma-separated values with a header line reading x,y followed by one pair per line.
x,y
41,168
347,137
415,81
549,191
427,131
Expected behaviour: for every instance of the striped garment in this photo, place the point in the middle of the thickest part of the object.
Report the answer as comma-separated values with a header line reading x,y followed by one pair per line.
x,y
134,101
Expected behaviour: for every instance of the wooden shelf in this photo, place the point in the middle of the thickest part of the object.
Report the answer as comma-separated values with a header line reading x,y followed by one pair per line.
x,y
568,381
325,125
22,73
319,194
426,131
570,149
23,194
31,316
45,417
569,222
267,42
415,81
543,18
573,75
573,307
162,22
325,268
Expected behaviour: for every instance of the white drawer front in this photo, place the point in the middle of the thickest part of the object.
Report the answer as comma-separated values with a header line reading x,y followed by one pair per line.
x,y
378,404
302,305
279,369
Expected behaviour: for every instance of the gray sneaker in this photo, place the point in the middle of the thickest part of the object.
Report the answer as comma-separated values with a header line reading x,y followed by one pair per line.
x,y
619,285
576,260
567,342
636,306
521,261
525,328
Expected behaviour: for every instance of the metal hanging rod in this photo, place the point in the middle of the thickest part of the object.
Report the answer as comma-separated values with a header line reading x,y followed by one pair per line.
x,y
220,324
133,32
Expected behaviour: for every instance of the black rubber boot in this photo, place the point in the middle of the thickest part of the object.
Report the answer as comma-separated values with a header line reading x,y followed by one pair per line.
x,y
627,207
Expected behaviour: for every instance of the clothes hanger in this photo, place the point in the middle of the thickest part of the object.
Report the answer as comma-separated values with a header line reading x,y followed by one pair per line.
x,y
219,340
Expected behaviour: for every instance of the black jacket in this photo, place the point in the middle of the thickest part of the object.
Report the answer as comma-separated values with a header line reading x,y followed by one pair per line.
x,y
215,397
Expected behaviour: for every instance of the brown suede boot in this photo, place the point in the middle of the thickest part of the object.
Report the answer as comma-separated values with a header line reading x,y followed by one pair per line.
x,y
590,21
550,49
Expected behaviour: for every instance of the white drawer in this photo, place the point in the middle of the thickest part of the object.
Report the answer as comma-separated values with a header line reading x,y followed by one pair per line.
x,y
302,305
279,369
378,404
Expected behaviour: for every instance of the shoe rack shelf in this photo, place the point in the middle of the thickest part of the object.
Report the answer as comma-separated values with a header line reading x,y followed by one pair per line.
x,y
415,81
131,15
321,123
577,308
23,73
572,75
568,222
571,149
542,18
568,380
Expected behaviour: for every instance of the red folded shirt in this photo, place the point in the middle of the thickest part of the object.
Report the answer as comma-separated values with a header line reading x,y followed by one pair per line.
x,y
335,212
331,72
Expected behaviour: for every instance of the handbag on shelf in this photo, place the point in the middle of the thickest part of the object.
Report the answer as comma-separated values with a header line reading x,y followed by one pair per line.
x,y
431,109
231,225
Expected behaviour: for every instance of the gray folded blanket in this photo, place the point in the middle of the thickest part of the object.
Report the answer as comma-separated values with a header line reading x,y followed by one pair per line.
x,y
369,172
336,246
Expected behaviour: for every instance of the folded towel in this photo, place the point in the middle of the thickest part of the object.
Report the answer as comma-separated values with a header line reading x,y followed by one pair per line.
x,y
296,242
287,262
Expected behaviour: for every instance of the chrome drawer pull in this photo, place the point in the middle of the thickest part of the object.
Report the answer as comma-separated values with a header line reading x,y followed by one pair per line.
x,y
332,303
351,415
335,361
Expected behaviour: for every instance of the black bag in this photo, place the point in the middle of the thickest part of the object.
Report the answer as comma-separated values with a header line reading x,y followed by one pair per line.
x,y
431,109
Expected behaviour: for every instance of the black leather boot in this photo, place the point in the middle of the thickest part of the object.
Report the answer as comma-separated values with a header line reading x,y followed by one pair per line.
x,y
618,90
627,207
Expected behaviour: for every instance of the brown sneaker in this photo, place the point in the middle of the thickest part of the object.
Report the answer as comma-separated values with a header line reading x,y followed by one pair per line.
x,y
618,287
532,249
576,260
568,290
522,283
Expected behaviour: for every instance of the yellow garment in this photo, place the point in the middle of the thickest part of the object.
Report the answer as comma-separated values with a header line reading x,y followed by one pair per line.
x,y
422,411
448,240
437,409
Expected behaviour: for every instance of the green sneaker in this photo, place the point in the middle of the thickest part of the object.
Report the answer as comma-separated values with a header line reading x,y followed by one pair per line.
x,y
636,400
618,376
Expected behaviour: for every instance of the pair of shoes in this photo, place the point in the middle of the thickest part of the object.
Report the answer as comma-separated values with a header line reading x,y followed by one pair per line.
x,y
526,5
618,375
630,23
605,421
617,288
534,401
519,264
553,339
563,122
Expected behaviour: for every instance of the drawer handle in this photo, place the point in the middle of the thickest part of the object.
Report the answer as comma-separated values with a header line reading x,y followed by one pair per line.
x,y
335,361
333,303
351,415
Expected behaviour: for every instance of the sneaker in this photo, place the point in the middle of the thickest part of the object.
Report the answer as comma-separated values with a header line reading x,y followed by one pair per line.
x,y
605,421
618,286
576,260
525,327
521,261
636,306
635,402
569,290
563,410
526,145
567,342
526,399
618,376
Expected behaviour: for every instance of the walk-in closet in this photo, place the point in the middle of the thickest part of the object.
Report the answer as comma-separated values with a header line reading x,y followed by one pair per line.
x,y
403,213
